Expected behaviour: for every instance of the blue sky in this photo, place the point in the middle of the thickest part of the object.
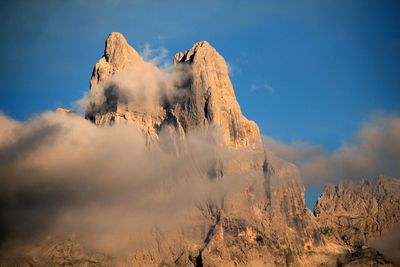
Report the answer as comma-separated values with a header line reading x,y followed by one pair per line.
x,y
310,71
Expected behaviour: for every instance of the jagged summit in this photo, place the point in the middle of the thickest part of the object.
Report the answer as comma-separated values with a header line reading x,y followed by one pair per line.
x,y
212,97
118,55
188,56
117,49
356,212
206,99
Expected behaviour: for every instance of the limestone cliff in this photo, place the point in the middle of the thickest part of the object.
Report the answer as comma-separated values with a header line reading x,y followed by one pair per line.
x,y
357,212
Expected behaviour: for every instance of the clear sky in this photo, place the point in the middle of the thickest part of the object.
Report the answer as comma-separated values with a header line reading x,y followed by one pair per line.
x,y
310,71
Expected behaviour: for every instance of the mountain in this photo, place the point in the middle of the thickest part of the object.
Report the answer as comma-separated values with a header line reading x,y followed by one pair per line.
x,y
265,220
257,216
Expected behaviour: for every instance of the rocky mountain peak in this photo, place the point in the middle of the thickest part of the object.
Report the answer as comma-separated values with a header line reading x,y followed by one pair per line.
x,y
207,99
211,99
117,48
188,56
117,56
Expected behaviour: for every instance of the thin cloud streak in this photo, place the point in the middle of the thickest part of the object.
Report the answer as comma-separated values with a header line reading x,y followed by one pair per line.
x,y
265,87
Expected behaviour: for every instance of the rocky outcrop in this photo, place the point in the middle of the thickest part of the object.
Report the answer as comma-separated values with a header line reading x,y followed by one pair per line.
x,y
357,212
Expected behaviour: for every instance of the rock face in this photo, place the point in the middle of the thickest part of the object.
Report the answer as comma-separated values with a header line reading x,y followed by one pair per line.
x,y
357,212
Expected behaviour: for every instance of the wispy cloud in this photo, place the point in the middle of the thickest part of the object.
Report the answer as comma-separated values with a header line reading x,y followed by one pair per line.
x,y
231,68
142,84
253,88
269,88
376,151
156,56
262,87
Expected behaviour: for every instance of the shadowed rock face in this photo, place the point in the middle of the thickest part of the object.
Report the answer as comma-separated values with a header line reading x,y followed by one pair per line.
x,y
357,212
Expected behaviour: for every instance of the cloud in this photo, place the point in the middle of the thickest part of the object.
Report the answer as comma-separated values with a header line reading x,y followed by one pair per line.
x,y
253,88
156,56
62,175
389,245
376,151
269,88
231,68
265,86
141,85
